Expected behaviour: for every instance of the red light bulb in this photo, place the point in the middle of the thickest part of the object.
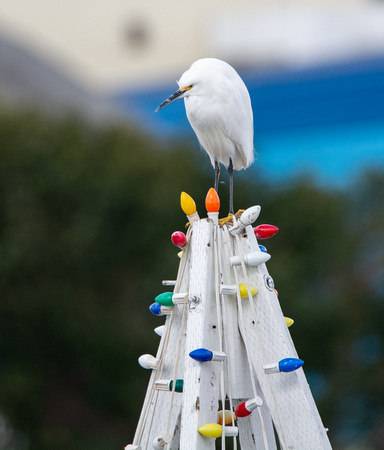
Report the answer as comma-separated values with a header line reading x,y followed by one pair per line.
x,y
265,231
242,411
179,239
246,408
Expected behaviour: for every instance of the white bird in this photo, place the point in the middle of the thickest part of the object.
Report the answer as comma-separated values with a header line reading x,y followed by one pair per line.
x,y
219,110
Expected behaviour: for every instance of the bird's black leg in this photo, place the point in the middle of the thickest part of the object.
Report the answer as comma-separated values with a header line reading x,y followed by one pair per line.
x,y
217,173
230,173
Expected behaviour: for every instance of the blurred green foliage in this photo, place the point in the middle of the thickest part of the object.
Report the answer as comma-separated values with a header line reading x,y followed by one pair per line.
x,y
86,215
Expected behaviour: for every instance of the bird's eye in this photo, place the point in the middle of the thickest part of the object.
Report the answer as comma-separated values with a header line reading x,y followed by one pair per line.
x,y
190,86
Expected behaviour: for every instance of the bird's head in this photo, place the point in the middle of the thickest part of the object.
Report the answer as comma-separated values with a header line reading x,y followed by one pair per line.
x,y
190,83
183,91
203,78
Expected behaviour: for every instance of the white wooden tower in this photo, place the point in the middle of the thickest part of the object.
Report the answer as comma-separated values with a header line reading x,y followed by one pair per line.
x,y
225,346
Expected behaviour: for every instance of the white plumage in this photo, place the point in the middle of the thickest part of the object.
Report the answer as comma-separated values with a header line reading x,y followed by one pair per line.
x,y
219,110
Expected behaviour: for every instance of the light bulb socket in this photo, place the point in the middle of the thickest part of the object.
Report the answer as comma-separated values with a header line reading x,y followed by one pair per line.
x,y
228,289
193,217
214,216
253,403
230,431
271,368
161,441
169,282
162,385
180,298
218,356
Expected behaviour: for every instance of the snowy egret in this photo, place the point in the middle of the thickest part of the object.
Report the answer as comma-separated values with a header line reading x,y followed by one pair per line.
x,y
219,110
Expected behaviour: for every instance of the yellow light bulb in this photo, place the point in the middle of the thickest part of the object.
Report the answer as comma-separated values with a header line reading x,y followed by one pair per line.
x,y
289,321
244,290
180,254
212,430
188,205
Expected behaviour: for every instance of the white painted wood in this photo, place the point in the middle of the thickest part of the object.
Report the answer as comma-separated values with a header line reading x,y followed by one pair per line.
x,y
253,332
201,380
238,376
157,404
267,340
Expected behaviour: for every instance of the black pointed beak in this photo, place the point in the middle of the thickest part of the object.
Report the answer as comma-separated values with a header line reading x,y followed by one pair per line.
x,y
170,99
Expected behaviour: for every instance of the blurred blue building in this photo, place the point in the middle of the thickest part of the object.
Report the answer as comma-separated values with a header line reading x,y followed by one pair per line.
x,y
326,121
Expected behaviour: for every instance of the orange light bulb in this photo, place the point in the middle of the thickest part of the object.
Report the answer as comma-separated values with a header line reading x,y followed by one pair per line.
x,y
212,201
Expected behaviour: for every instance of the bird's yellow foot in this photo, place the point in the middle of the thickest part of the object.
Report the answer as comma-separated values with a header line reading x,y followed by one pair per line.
x,y
229,218
225,220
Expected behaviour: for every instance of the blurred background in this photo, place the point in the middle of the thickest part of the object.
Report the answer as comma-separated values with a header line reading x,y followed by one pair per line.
x,y
90,180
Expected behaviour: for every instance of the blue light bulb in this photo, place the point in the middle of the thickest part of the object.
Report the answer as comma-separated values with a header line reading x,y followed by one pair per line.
x,y
290,364
263,249
155,309
201,354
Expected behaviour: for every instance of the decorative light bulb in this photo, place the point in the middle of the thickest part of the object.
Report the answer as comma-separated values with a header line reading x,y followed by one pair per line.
x,y
284,365
265,231
204,355
155,309
188,205
214,430
179,239
212,201
251,259
132,447
245,408
229,416
160,330
289,321
160,310
165,299
180,254
156,445
148,362
250,215
263,249
244,291
178,386
290,364
246,218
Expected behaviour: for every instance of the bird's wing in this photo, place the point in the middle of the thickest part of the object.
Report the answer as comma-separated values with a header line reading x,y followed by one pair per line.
x,y
238,123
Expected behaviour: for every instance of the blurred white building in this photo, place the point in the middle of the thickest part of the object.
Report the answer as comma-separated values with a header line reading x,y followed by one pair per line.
x,y
107,44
